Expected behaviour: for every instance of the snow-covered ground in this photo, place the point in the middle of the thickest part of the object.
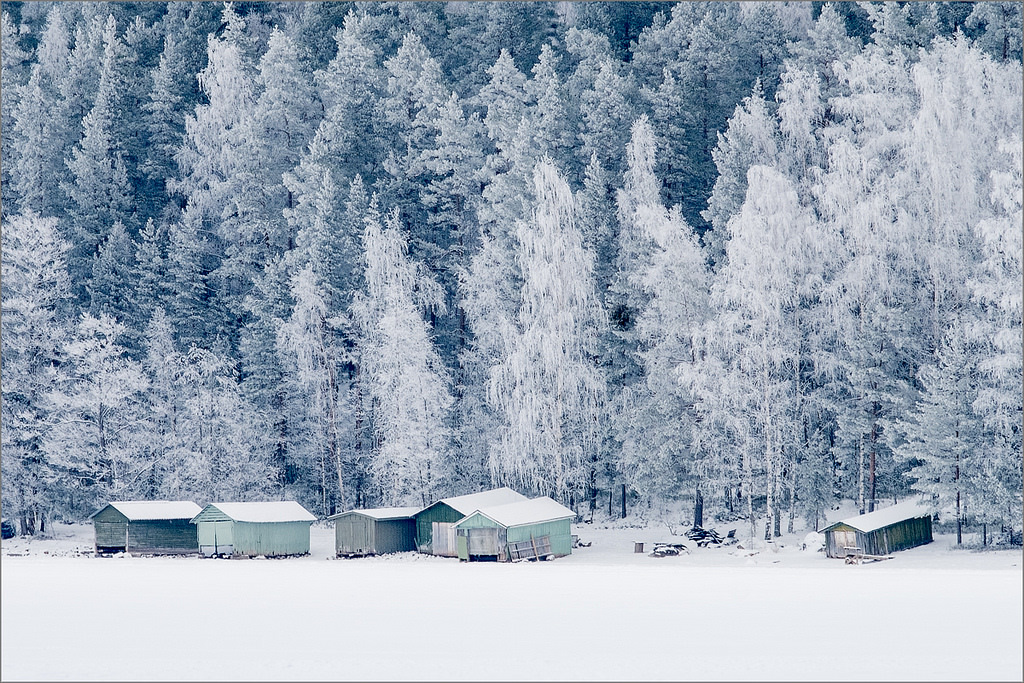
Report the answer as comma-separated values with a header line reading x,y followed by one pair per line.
x,y
605,613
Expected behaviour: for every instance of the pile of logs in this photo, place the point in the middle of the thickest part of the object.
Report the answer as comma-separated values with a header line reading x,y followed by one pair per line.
x,y
668,549
704,537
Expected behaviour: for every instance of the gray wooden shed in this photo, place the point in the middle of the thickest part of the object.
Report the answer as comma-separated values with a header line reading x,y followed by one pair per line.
x,y
435,524
157,527
897,527
374,531
272,529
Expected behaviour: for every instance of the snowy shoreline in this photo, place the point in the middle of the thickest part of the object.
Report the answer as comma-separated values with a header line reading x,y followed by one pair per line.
x,y
603,613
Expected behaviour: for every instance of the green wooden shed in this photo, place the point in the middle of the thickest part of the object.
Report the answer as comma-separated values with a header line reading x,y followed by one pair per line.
x,y
536,528
897,527
435,524
272,529
157,527
374,531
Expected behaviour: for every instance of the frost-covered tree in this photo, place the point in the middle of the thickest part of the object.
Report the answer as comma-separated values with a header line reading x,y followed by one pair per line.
x,y
349,138
36,307
403,374
306,340
165,112
871,301
547,387
550,130
755,340
162,420
1002,26
450,198
752,138
111,283
220,450
14,68
215,173
414,96
655,418
96,414
43,132
941,429
606,112
996,289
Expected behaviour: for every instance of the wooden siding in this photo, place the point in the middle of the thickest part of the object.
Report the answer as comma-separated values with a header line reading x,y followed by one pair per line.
x,y
210,514
559,531
111,536
395,535
356,534
114,533
909,533
109,514
271,538
438,512
163,536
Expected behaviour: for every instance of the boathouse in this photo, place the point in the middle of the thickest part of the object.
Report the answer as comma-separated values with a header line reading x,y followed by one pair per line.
x,y
897,527
156,527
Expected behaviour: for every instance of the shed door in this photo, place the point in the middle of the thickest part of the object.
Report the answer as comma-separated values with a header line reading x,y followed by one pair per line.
x,y
443,539
223,538
483,541
845,539
353,535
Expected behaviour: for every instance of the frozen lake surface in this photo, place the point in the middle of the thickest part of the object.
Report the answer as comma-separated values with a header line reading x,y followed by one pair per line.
x,y
605,613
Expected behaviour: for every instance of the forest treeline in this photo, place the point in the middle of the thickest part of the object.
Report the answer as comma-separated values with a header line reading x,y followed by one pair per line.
x,y
756,257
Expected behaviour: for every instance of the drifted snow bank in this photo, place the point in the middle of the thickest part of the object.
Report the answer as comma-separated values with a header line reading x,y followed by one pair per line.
x,y
605,613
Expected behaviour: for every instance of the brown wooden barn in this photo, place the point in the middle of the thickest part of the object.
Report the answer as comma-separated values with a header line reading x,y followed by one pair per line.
x,y
897,527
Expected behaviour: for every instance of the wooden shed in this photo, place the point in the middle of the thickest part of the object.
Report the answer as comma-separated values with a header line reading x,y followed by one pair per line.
x,y
251,529
897,527
374,531
435,524
537,528
158,527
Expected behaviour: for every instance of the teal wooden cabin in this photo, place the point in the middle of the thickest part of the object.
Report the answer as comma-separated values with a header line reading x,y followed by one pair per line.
x,y
152,527
539,527
897,527
374,531
435,524
271,529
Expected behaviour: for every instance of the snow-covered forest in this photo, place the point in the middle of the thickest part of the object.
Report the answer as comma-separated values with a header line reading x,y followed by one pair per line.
x,y
753,258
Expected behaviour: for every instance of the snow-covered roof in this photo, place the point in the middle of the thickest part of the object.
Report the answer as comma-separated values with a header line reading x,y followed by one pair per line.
x,y
532,511
872,521
271,511
474,501
138,510
381,513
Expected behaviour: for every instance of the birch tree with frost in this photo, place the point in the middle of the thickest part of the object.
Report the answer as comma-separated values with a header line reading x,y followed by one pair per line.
x,y
407,382
547,387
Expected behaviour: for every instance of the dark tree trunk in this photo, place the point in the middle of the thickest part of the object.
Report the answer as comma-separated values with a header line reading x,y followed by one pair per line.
x,y
623,501
698,507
